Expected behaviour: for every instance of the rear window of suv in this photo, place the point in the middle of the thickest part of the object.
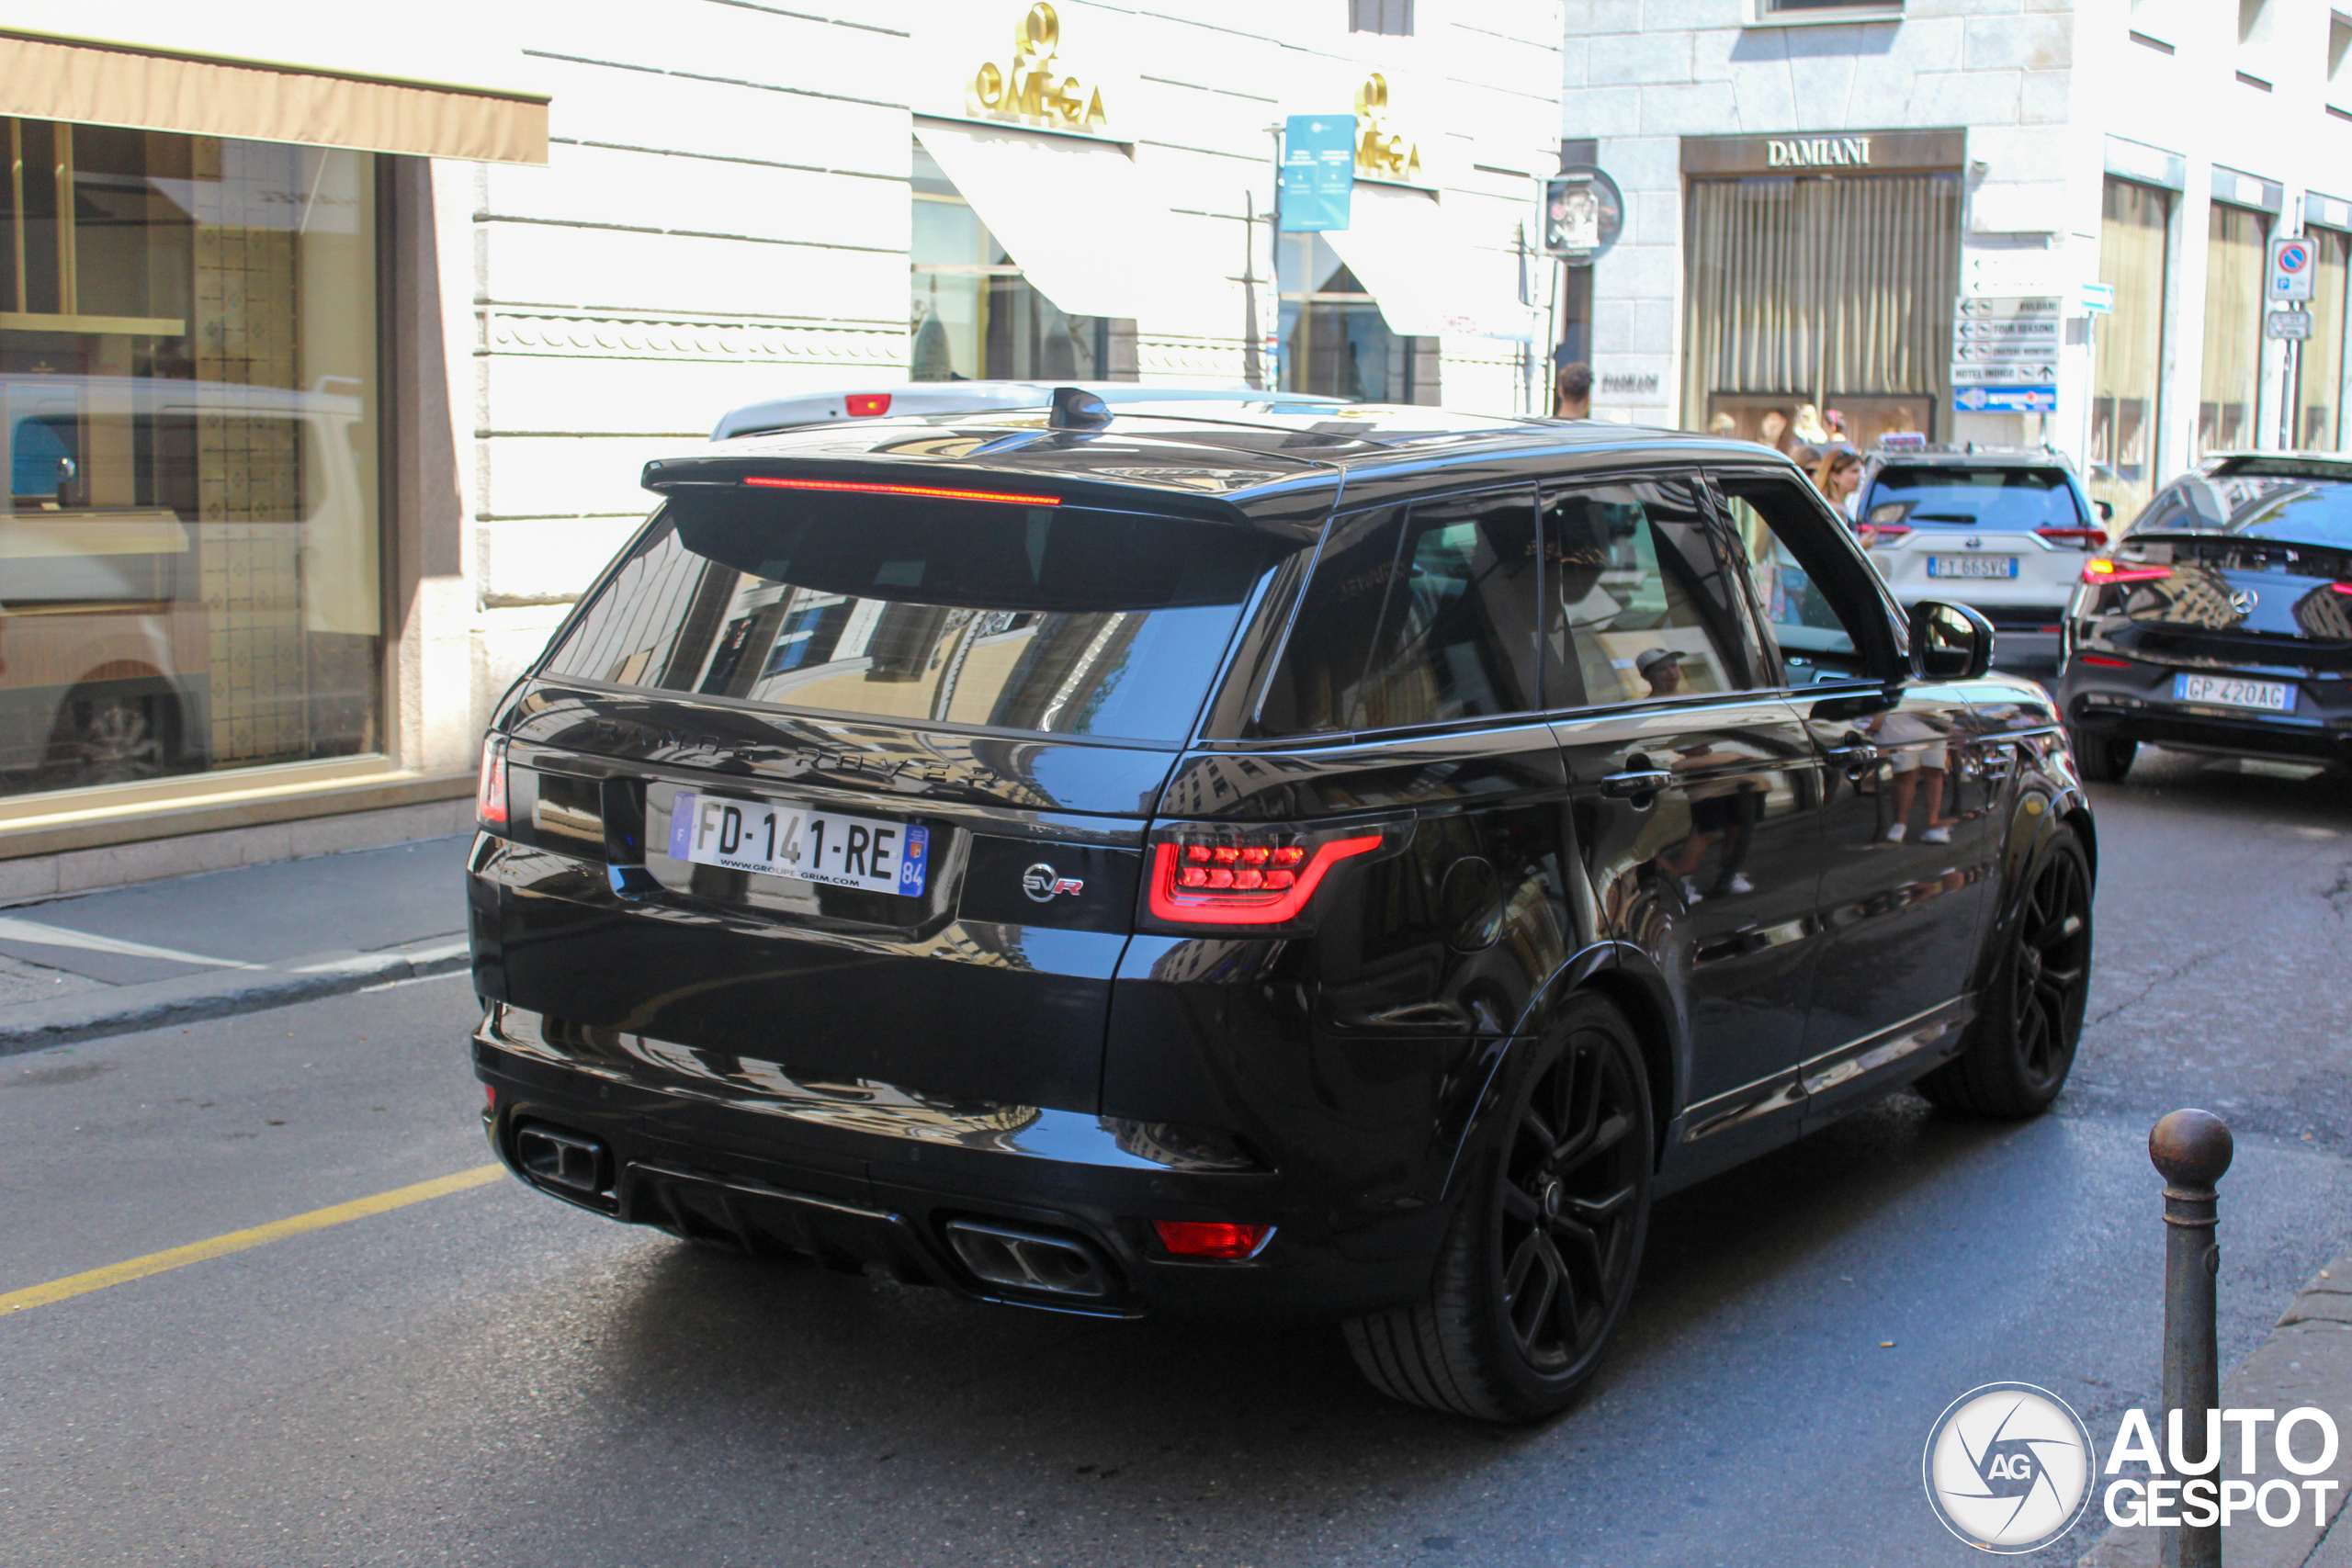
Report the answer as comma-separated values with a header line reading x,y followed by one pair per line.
x,y
1061,620
1950,495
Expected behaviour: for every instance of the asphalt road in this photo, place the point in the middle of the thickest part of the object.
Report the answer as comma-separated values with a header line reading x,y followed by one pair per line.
x,y
491,1378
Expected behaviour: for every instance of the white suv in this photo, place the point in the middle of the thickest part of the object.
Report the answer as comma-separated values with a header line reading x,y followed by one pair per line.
x,y
2003,531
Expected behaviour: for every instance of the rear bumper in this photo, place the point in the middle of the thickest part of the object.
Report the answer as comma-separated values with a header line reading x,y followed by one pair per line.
x,y
862,1177
2135,701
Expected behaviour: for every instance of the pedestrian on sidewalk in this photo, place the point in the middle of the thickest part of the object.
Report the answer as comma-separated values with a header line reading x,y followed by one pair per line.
x,y
1572,392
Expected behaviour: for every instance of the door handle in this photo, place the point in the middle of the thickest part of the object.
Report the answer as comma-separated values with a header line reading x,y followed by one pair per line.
x,y
1856,756
1635,781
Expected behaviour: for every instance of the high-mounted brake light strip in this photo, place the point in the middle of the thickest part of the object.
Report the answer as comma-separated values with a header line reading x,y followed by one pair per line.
x,y
856,487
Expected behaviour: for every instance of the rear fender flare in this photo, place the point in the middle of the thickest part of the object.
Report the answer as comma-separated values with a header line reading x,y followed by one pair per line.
x,y
1627,977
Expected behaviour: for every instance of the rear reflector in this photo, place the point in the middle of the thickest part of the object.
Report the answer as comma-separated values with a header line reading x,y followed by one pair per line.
x,y
1255,879
853,487
490,790
2103,663
1210,1238
867,405
2341,587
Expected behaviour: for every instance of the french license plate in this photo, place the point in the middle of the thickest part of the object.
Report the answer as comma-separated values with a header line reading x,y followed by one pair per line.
x,y
813,846
1972,566
2226,690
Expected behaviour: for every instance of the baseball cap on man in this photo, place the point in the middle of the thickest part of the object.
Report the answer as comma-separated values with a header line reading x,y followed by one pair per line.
x,y
1651,659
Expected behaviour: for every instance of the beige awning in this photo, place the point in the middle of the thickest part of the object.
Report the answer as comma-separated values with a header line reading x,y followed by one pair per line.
x,y
102,82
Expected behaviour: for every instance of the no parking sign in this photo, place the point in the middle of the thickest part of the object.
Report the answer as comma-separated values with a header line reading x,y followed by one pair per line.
x,y
2292,264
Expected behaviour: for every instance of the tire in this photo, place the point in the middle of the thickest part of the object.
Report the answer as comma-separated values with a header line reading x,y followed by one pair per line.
x,y
1541,1257
2023,1043
2104,761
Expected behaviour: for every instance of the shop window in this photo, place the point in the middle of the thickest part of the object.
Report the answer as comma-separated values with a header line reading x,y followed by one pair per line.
x,y
1415,619
2321,421
2129,344
187,397
1798,296
975,315
1334,339
2229,407
1391,17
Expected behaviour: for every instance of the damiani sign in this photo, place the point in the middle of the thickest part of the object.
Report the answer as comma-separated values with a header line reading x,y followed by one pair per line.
x,y
1818,151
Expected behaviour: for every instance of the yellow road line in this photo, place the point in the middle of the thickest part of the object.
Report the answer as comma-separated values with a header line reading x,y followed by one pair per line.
x,y
238,1241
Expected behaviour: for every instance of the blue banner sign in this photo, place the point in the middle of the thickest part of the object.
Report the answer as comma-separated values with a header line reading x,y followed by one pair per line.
x,y
2007,400
1319,171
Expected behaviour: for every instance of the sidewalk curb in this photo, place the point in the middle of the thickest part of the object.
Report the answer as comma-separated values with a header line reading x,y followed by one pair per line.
x,y
2306,1359
126,1009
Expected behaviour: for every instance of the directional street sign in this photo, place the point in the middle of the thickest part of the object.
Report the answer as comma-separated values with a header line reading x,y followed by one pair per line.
x,y
2004,353
2098,298
2292,263
2008,399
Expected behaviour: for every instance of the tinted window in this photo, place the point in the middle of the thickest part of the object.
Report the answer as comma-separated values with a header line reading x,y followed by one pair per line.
x,y
1647,598
1062,620
1930,495
2311,511
1414,618
1812,622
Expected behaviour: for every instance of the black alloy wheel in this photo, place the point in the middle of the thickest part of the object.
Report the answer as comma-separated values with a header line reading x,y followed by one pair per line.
x,y
2023,1043
1541,1256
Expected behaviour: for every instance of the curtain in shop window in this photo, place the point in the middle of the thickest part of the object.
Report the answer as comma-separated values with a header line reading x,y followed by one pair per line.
x,y
2322,373
2235,259
2130,345
1817,288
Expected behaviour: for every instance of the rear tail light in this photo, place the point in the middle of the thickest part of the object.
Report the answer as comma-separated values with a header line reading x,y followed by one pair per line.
x,y
490,790
1210,1238
1873,534
868,405
2101,570
2344,588
2081,538
1251,877
2103,662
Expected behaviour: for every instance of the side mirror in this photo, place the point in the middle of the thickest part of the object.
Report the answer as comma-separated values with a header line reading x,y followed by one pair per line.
x,y
2106,510
1949,642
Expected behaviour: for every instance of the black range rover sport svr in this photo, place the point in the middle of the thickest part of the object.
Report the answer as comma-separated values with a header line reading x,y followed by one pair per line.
x,y
1343,864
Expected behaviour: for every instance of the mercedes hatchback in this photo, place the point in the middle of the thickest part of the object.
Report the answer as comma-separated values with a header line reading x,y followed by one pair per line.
x,y
1343,866
2222,619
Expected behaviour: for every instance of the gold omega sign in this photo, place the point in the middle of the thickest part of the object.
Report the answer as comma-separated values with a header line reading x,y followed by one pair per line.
x,y
1033,88
1382,153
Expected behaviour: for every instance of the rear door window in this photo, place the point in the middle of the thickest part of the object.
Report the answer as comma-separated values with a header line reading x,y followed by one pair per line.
x,y
1950,496
1061,620
1425,615
1649,604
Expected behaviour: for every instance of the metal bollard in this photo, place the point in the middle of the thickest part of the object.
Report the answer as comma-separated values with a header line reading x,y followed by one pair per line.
x,y
2190,1149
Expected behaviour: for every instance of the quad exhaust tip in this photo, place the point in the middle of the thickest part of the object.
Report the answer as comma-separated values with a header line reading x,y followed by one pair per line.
x,y
573,1161
1039,1261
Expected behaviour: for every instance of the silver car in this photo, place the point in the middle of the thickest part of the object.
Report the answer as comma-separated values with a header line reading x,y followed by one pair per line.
x,y
2005,531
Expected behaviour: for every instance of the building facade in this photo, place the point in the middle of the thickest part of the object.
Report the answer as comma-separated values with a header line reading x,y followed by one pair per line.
x,y
1854,206
329,382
